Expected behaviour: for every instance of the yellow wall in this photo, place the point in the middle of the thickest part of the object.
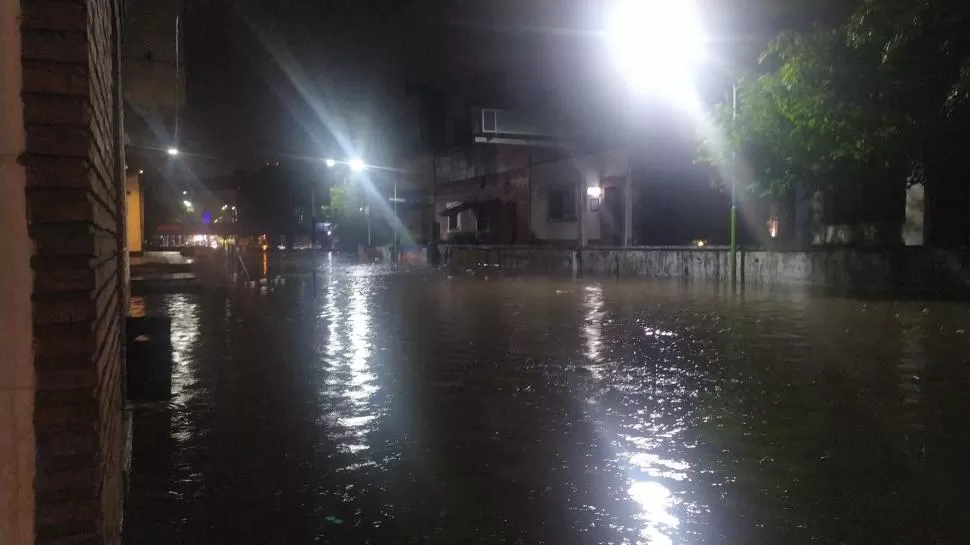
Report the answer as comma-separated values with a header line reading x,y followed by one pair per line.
x,y
135,214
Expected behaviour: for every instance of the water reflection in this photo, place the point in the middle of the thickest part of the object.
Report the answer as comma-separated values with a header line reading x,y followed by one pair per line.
x,y
638,439
655,502
593,328
350,382
183,309
426,409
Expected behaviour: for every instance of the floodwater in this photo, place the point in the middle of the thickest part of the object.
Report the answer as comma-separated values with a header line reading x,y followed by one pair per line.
x,y
419,408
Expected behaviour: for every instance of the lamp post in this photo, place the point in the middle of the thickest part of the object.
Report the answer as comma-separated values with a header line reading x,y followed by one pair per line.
x,y
734,192
655,45
356,164
313,218
394,240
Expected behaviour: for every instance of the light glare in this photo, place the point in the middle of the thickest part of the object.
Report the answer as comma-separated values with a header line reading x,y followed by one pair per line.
x,y
173,151
357,164
330,163
656,44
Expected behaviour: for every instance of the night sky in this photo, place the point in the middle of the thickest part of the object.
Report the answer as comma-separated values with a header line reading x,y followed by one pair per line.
x,y
268,79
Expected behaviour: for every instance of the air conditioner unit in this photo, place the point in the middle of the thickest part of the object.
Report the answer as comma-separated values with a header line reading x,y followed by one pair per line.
x,y
497,122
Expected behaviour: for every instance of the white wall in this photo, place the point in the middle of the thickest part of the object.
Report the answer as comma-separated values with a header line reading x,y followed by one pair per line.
x,y
467,222
563,174
913,226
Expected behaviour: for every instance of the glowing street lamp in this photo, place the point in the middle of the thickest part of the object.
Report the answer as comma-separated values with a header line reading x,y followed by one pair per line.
x,y
357,164
656,46
330,162
173,151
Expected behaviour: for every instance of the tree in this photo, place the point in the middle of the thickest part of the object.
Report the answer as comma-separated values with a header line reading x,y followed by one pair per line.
x,y
274,201
856,110
925,59
344,210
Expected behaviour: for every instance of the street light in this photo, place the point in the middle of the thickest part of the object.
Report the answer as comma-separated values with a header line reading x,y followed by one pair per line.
x,y
173,151
356,164
656,45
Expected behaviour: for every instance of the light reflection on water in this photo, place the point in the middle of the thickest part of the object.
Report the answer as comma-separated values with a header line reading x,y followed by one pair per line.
x,y
593,328
462,410
635,440
350,383
184,311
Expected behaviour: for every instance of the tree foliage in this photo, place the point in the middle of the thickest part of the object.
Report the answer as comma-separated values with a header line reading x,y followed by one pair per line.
x,y
869,102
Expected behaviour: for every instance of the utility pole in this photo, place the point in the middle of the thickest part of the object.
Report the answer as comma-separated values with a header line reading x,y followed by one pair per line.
x,y
313,217
580,212
734,190
433,236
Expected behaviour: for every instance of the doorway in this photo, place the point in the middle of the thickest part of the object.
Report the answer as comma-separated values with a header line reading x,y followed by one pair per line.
x,y
611,216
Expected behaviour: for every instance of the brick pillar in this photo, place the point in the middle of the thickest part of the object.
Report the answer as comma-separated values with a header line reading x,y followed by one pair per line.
x,y
75,191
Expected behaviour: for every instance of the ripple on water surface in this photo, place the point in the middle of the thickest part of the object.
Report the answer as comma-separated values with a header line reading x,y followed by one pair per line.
x,y
384,408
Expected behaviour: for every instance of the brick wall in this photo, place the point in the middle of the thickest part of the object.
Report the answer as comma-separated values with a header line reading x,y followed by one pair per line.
x,y
75,192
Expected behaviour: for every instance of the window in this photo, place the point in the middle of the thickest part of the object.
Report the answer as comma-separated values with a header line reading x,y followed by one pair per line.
x,y
452,222
562,204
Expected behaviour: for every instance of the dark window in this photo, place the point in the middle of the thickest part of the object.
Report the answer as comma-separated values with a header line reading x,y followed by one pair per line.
x,y
562,204
452,221
149,56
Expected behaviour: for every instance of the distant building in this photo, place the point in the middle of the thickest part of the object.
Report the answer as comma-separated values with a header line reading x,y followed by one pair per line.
x,y
154,82
154,93
514,181
529,195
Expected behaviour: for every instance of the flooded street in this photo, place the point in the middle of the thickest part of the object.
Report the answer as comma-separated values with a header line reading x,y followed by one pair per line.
x,y
417,408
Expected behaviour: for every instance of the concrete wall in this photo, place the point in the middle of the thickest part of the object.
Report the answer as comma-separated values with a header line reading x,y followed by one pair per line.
x,y
63,69
17,380
910,269
915,212
152,87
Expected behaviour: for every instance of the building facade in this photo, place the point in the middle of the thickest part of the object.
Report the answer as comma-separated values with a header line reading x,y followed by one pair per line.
x,y
516,194
62,272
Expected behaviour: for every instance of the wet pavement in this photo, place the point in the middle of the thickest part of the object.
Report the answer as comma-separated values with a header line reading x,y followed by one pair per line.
x,y
418,408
